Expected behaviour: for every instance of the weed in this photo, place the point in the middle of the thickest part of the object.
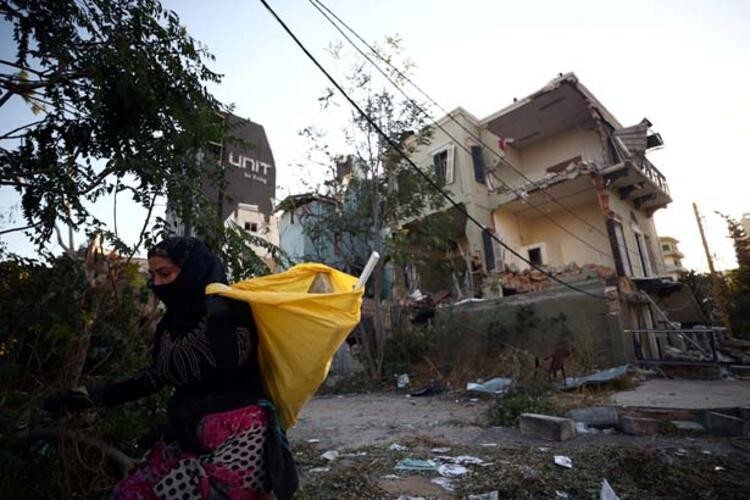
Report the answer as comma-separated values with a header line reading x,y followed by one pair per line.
x,y
522,399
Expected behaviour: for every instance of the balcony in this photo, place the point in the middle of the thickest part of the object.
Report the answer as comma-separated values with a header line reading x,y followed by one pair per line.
x,y
638,180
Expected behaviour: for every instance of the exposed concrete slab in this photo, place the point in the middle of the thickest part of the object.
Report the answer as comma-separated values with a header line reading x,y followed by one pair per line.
x,y
597,416
689,394
720,424
688,426
546,427
641,426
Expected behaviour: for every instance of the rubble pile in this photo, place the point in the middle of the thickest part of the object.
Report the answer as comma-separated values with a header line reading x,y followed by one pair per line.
x,y
532,280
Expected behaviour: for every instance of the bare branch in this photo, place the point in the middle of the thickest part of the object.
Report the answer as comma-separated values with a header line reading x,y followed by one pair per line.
x,y
143,229
13,230
18,129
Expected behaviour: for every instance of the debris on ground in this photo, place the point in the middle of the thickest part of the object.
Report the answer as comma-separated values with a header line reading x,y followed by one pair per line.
x,y
416,464
596,378
318,470
452,470
607,493
546,427
595,416
498,385
402,381
440,450
397,447
564,461
492,495
429,390
444,483
330,455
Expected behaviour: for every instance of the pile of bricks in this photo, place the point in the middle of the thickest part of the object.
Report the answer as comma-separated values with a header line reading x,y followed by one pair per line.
x,y
532,280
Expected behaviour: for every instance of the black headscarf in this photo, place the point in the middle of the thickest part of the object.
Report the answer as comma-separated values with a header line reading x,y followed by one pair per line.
x,y
185,297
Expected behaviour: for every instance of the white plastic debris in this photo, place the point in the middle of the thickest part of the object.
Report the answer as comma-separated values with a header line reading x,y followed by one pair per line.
x,y
402,381
561,494
492,495
330,455
462,460
607,493
543,449
318,470
391,477
452,470
440,450
495,386
444,483
487,445
582,428
397,447
718,468
313,441
564,461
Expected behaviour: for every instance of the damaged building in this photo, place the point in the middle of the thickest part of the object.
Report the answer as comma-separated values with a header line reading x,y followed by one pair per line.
x,y
558,178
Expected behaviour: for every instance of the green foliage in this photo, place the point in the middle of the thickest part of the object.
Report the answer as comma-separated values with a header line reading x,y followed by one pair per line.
x,y
403,350
119,90
521,399
75,313
738,280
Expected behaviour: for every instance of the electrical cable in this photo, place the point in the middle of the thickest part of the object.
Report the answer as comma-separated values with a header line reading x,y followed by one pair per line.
x,y
396,147
318,5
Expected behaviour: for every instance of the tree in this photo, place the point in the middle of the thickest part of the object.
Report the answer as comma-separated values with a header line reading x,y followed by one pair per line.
x,y
118,91
738,280
381,193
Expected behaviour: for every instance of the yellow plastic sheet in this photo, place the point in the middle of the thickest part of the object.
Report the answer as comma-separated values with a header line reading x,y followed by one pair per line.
x,y
299,332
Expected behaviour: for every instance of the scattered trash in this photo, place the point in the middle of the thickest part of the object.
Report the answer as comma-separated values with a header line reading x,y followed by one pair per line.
x,y
706,452
474,400
609,430
402,381
355,454
397,447
564,461
416,464
429,390
561,494
487,445
681,452
440,450
607,493
318,470
452,470
330,455
543,449
718,468
462,460
391,477
582,428
600,377
492,495
313,441
496,386
444,483
404,497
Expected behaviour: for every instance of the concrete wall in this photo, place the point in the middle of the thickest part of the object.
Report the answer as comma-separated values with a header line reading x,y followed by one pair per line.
x,y
594,334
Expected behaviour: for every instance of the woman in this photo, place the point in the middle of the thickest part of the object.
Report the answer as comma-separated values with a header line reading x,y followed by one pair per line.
x,y
221,439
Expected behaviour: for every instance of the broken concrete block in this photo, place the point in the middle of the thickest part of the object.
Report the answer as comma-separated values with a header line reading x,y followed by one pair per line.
x,y
640,426
546,427
596,416
720,424
688,426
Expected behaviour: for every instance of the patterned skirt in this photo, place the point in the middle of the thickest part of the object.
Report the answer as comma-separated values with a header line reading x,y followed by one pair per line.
x,y
231,467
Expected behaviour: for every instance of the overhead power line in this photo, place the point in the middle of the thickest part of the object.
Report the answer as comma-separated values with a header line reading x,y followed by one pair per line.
x,y
437,124
320,6
397,147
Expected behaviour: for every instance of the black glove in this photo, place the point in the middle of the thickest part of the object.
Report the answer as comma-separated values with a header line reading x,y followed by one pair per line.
x,y
70,400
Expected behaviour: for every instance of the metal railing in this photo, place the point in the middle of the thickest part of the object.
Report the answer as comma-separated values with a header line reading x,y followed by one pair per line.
x,y
680,346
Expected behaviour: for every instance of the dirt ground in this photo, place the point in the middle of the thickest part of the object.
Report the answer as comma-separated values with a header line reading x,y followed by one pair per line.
x,y
689,394
362,427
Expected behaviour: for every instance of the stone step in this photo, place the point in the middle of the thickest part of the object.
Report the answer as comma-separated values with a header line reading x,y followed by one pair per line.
x,y
546,427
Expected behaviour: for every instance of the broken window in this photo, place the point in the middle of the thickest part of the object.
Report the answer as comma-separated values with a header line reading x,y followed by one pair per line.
x,y
622,248
643,254
489,249
665,248
478,160
535,256
442,162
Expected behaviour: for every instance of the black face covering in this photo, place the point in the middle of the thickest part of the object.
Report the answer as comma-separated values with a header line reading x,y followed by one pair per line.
x,y
185,296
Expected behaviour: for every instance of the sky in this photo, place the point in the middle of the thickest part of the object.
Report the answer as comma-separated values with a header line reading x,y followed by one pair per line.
x,y
685,65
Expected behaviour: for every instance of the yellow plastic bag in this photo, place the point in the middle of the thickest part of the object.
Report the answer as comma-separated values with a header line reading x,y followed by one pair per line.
x,y
299,332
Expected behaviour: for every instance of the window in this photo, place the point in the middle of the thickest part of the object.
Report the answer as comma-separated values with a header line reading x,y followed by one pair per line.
x,y
442,163
535,256
622,249
489,249
478,160
665,248
251,226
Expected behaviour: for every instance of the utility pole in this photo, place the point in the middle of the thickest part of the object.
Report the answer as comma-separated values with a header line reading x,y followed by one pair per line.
x,y
715,282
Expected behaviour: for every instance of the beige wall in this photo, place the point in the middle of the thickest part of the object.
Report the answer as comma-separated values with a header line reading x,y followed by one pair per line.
x,y
559,246
267,229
